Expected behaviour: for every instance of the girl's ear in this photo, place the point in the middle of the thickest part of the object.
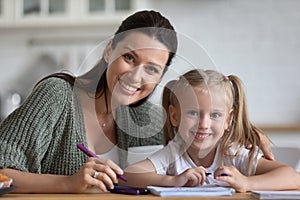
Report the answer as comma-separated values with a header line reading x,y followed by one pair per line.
x,y
173,116
107,51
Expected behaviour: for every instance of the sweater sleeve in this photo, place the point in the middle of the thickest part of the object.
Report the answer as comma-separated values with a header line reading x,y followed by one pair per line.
x,y
26,133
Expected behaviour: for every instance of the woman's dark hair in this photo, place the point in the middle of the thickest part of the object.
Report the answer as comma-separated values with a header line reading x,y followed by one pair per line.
x,y
151,23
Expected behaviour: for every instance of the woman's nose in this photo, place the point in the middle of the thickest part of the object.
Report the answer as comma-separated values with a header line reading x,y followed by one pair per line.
x,y
136,74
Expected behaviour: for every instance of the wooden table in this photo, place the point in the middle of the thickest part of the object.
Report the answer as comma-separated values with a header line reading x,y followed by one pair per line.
x,y
112,197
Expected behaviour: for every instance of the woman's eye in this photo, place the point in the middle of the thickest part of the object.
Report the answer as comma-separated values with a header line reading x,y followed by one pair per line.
x,y
215,115
128,57
152,69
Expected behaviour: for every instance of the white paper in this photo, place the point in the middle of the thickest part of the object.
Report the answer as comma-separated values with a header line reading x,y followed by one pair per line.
x,y
269,194
206,190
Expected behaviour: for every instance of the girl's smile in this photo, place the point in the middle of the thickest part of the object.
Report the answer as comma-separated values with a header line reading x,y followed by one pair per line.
x,y
201,136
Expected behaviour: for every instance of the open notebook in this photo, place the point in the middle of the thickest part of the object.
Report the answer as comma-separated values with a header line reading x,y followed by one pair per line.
x,y
205,190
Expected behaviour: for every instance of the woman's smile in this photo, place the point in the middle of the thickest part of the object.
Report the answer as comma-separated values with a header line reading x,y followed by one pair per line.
x,y
127,88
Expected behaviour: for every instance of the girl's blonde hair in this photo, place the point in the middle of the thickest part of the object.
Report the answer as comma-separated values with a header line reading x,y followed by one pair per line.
x,y
240,131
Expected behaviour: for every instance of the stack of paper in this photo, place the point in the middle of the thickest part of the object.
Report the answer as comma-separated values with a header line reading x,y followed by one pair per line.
x,y
206,190
266,194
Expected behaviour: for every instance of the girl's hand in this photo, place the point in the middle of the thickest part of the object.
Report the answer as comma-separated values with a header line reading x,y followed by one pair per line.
x,y
233,177
191,177
97,172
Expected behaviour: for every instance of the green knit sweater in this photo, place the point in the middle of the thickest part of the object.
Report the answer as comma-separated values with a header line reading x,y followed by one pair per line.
x,y
41,135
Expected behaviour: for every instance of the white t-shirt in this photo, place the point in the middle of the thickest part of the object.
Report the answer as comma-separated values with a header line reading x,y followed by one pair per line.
x,y
112,154
170,161
135,154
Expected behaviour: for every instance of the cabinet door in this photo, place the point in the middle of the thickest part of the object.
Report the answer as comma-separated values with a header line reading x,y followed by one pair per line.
x,y
31,7
1,6
40,13
41,8
57,7
6,11
123,5
108,6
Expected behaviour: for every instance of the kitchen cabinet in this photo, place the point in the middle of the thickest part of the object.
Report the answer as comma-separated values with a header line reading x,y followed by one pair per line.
x,y
57,13
40,8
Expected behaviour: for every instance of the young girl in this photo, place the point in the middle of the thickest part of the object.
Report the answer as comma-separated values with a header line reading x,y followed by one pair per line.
x,y
206,127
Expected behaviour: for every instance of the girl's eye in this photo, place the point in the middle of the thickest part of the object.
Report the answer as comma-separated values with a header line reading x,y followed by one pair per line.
x,y
215,115
193,113
128,58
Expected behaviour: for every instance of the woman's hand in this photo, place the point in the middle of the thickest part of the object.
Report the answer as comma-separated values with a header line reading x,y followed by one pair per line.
x,y
233,177
79,182
98,172
191,177
265,146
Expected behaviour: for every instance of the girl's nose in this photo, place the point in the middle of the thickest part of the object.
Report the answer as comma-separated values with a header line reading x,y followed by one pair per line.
x,y
204,121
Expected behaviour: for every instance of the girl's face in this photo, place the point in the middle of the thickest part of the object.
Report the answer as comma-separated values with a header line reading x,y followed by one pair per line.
x,y
202,118
135,67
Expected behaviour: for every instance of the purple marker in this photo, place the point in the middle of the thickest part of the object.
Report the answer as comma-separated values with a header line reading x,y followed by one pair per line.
x,y
129,190
91,154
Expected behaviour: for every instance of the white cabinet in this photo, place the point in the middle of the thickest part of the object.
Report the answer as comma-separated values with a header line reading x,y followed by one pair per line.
x,y
40,8
41,13
1,13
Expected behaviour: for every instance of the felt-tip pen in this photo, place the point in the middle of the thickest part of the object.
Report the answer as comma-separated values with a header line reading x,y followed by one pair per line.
x,y
91,154
129,190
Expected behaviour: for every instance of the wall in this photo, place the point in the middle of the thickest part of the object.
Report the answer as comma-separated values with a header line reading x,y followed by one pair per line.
x,y
256,40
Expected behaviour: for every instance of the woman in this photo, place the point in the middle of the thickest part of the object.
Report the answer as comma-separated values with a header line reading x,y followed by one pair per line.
x,y
38,140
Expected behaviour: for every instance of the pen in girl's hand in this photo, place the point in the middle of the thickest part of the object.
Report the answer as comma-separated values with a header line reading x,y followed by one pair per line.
x,y
207,174
91,154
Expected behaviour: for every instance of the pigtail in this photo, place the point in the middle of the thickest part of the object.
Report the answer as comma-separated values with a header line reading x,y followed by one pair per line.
x,y
166,102
244,131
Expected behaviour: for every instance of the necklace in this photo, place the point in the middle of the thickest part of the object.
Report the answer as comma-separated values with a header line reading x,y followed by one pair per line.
x,y
105,120
102,122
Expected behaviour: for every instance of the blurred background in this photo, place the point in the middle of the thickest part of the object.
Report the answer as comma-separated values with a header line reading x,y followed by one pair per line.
x,y
257,40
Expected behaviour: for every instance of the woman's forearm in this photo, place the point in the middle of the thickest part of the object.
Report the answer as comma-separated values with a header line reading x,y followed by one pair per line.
x,y
38,183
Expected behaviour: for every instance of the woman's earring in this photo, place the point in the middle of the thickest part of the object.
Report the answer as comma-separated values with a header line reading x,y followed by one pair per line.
x,y
105,59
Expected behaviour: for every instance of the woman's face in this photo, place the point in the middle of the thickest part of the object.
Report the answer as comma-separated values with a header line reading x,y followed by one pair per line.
x,y
135,67
202,118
